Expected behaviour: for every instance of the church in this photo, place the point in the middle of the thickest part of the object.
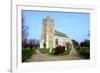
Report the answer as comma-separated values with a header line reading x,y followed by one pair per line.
x,y
51,38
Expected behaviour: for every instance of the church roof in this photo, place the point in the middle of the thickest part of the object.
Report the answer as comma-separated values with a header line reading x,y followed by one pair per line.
x,y
60,34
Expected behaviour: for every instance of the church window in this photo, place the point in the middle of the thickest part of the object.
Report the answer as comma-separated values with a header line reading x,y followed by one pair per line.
x,y
44,45
56,41
51,30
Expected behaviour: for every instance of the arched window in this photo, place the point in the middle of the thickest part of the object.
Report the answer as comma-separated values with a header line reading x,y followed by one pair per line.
x,y
56,42
44,45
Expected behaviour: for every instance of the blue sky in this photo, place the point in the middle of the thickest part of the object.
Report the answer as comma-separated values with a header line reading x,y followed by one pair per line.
x,y
74,25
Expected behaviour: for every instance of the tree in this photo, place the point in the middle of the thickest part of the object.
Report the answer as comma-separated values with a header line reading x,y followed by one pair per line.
x,y
34,43
31,42
37,43
75,43
85,43
24,33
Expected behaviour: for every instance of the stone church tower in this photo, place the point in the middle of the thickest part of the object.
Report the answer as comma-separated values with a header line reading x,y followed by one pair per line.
x,y
47,33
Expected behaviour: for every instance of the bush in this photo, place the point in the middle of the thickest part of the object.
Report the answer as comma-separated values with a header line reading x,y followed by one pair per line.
x,y
59,50
84,52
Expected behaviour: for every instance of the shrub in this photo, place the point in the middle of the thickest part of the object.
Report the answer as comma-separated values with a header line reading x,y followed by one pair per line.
x,y
84,52
59,50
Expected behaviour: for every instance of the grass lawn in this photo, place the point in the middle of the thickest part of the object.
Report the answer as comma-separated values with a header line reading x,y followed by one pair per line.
x,y
27,53
44,50
67,51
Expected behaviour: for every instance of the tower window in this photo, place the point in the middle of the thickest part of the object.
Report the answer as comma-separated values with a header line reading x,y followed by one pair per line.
x,y
44,45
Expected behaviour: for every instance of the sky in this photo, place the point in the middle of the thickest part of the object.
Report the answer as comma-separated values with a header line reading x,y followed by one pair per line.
x,y
74,24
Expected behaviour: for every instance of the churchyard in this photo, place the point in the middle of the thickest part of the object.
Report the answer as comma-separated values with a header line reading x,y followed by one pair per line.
x,y
47,54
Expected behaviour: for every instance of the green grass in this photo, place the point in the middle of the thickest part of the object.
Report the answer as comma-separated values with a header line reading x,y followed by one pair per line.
x,y
27,53
44,50
67,51
83,52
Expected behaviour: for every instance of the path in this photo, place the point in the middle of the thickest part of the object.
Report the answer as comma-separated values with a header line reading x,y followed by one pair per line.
x,y
45,57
